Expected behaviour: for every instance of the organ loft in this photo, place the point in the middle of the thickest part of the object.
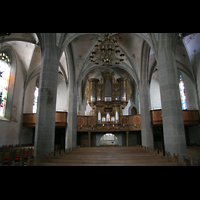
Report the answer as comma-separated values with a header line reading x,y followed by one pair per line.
x,y
107,97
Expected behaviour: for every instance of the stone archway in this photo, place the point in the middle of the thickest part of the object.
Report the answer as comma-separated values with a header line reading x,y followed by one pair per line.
x,y
109,139
133,111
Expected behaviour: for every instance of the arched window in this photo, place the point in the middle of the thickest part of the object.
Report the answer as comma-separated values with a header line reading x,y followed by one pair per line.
x,y
36,92
182,93
4,81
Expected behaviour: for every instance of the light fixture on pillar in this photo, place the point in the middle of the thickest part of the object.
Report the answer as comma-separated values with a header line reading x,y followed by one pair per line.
x,y
106,51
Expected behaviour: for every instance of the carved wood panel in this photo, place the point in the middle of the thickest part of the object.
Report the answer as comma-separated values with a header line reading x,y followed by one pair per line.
x,y
131,117
29,119
91,121
136,119
125,120
189,117
82,120
156,117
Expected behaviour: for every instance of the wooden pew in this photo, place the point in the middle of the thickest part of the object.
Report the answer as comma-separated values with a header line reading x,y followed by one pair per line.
x,y
42,158
188,161
31,161
9,156
168,156
151,150
2,156
62,151
176,158
137,157
161,153
156,151
55,155
15,156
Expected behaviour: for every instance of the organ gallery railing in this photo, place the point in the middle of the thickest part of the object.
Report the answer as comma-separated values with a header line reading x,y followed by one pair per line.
x,y
190,117
88,123
127,123
29,119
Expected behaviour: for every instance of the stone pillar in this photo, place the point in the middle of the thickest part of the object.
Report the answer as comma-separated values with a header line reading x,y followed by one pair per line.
x,y
45,120
71,131
173,125
89,139
144,89
127,138
79,100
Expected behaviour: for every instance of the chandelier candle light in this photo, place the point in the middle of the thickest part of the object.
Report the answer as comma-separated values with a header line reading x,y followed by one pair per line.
x,y
106,50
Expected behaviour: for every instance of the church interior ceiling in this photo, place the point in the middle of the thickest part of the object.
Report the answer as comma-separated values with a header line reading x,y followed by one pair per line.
x,y
27,47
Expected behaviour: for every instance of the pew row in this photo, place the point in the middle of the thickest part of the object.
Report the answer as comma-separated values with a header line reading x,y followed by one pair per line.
x,y
175,158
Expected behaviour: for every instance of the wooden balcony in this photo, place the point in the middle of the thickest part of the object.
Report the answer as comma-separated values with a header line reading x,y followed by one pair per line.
x,y
128,123
190,117
29,119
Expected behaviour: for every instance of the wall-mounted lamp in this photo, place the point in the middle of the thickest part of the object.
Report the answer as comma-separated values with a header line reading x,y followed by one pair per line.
x,y
81,127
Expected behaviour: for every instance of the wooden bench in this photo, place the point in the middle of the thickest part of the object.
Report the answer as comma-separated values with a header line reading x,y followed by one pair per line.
x,y
56,155
176,158
2,156
31,162
9,156
14,156
122,156
188,161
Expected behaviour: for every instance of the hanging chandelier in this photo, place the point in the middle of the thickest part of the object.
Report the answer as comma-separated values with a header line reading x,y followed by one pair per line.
x,y
106,51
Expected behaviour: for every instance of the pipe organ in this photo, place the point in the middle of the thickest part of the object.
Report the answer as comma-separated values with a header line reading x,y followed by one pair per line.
x,y
107,97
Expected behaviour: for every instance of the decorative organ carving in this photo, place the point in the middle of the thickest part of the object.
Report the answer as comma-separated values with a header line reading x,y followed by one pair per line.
x,y
107,97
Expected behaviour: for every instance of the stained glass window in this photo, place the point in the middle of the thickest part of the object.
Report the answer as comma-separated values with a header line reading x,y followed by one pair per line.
x,y
182,93
36,92
4,81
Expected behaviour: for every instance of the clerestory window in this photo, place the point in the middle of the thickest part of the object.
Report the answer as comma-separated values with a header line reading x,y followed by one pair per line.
x,y
36,93
182,93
